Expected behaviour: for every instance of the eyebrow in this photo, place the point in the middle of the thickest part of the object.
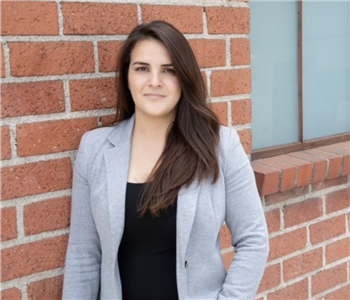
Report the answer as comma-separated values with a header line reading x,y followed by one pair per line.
x,y
147,64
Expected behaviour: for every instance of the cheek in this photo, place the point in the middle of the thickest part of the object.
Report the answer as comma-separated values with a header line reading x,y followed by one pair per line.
x,y
176,86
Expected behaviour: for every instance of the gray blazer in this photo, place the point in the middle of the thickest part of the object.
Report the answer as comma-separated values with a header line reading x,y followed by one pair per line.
x,y
97,222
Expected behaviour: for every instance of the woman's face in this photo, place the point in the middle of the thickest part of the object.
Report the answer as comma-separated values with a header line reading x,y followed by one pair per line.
x,y
152,81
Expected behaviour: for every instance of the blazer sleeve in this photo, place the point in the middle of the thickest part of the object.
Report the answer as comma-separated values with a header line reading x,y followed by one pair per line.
x,y
83,259
246,221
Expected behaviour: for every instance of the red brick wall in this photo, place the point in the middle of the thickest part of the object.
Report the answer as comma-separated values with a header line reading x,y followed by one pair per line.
x,y
307,199
58,64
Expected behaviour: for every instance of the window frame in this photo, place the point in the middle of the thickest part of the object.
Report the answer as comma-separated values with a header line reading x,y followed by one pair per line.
x,y
301,144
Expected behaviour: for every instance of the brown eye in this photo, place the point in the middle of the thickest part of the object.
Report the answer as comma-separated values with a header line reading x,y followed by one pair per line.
x,y
141,69
170,71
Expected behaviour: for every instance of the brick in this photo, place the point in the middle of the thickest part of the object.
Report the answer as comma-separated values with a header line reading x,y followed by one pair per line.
x,y
240,52
335,162
50,288
281,197
106,120
220,109
319,165
227,259
330,183
302,264
342,293
346,166
5,143
46,215
271,278
304,169
295,291
52,136
209,53
246,139
241,112
327,279
98,18
2,67
345,152
90,94
288,171
337,200
327,229
35,178
32,98
338,250
345,145
297,213
267,179
287,243
225,237
51,58
230,82
108,52
336,149
11,294
273,220
187,19
31,258
227,20
29,18
8,223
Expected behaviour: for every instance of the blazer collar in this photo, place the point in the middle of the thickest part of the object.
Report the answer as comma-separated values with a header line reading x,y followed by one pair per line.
x,y
122,133
117,166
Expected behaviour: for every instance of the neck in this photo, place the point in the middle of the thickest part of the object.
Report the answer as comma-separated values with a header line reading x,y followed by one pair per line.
x,y
151,128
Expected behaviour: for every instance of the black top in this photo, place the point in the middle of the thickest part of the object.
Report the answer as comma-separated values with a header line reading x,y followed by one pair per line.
x,y
147,252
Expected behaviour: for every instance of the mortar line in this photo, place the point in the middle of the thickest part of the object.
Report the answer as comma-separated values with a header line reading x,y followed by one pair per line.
x,y
60,18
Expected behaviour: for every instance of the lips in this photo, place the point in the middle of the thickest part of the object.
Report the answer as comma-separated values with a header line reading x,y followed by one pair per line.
x,y
154,95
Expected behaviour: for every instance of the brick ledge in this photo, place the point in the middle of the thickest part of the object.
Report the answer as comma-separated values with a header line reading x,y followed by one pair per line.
x,y
297,169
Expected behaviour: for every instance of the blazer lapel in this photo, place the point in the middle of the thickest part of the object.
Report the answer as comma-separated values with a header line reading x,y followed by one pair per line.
x,y
117,168
186,210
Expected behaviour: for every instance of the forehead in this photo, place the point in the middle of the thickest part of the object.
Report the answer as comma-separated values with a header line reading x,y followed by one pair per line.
x,y
150,50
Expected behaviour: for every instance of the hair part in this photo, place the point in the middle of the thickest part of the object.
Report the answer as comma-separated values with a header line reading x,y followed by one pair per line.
x,y
190,151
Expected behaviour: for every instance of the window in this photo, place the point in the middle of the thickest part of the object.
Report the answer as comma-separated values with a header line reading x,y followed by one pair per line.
x,y
300,74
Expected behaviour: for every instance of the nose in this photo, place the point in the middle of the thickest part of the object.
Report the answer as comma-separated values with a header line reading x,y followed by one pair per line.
x,y
155,79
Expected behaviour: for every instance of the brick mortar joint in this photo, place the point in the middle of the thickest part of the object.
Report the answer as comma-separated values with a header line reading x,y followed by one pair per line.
x,y
308,276
35,198
139,14
28,239
330,290
106,38
62,116
21,282
60,18
308,249
7,63
204,3
309,223
309,195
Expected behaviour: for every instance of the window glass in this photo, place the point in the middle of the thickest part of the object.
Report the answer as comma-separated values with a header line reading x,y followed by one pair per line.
x,y
274,50
326,82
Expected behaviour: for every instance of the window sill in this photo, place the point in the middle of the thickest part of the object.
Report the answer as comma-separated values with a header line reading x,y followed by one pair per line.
x,y
297,169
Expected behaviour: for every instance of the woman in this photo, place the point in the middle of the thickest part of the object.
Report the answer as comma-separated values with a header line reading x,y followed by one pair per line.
x,y
151,193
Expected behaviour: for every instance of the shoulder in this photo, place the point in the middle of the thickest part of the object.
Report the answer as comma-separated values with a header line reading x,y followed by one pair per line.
x,y
97,137
103,138
229,138
231,151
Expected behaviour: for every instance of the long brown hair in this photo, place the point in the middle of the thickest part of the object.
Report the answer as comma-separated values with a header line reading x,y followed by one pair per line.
x,y
190,151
